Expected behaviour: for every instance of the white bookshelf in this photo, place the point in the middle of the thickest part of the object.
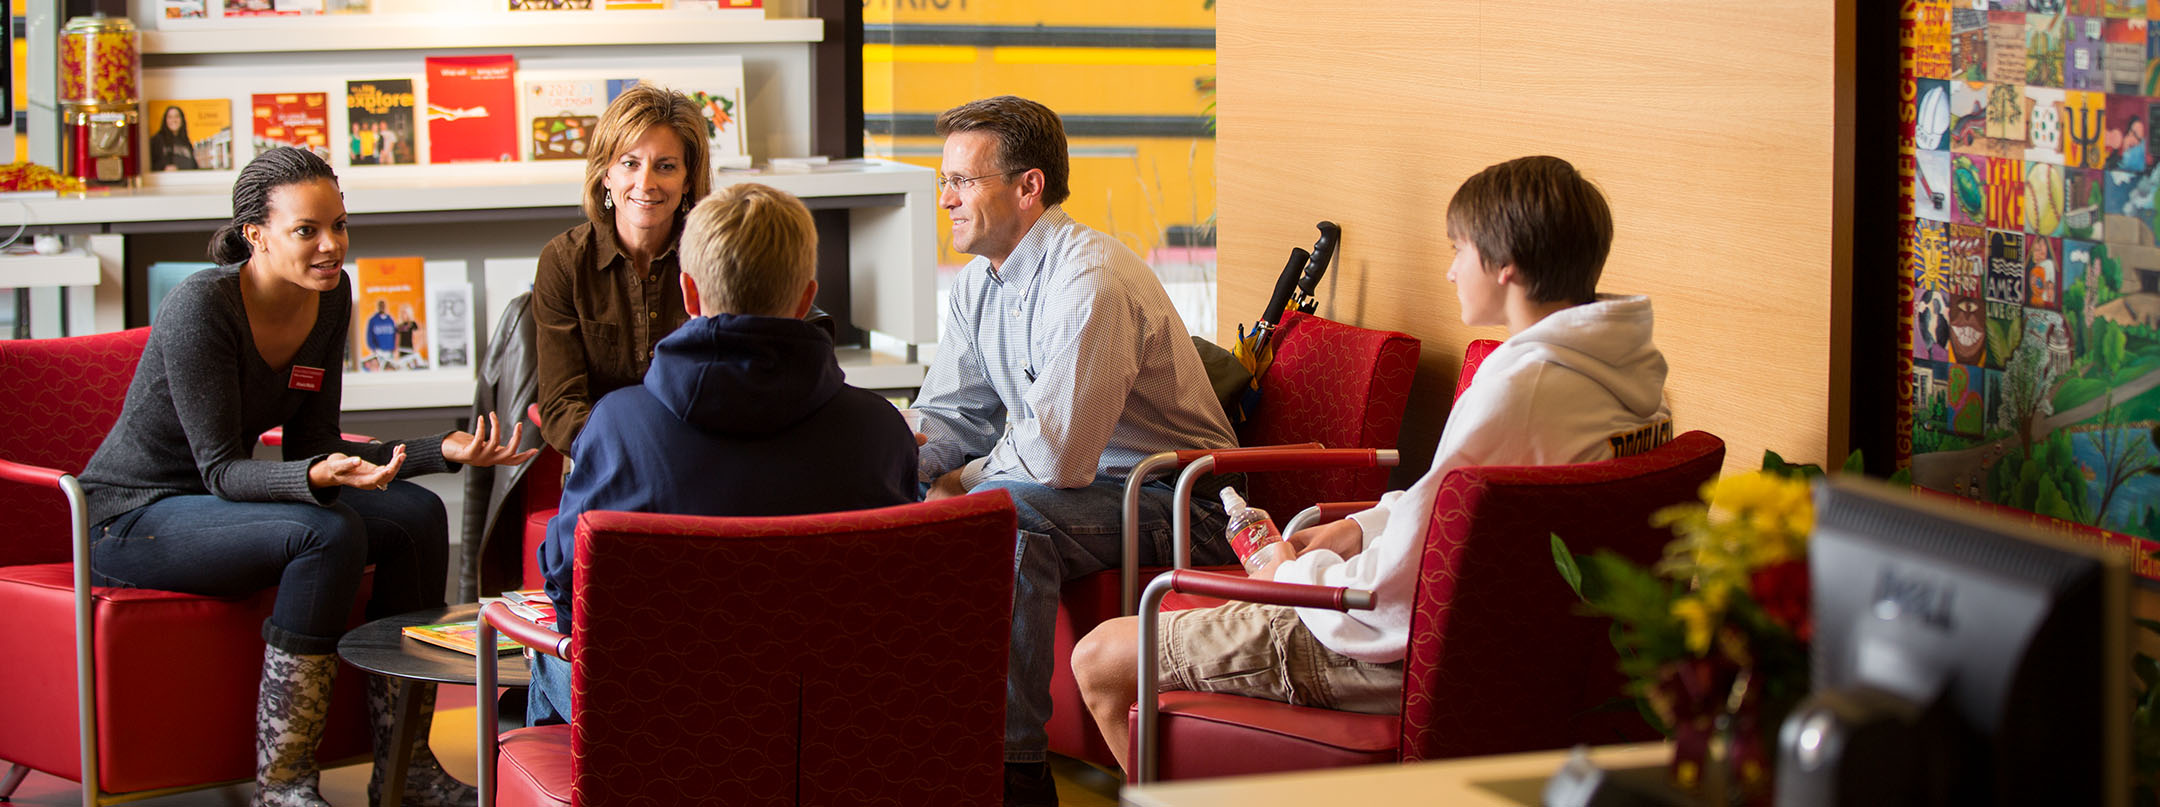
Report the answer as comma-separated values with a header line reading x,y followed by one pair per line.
x,y
470,31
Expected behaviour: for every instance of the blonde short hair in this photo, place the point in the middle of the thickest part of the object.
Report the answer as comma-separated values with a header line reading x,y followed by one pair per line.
x,y
633,113
752,250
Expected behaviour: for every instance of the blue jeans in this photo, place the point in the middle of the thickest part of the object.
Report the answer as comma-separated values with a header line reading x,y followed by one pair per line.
x,y
314,555
1071,533
547,701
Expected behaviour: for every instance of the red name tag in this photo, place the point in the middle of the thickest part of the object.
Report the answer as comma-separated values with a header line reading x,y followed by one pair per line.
x,y
306,378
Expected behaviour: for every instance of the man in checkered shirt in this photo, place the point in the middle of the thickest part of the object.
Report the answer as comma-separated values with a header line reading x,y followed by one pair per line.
x,y
1062,364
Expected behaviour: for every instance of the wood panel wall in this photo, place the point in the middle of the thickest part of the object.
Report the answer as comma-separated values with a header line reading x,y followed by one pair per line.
x,y
1720,131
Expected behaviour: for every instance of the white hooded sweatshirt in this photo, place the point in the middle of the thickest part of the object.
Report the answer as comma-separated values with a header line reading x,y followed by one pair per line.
x,y
1554,394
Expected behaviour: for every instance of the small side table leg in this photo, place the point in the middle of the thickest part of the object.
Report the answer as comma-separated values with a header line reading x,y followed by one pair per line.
x,y
401,743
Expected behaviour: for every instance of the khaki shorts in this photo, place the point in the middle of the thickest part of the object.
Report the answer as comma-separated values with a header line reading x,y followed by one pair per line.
x,y
1265,651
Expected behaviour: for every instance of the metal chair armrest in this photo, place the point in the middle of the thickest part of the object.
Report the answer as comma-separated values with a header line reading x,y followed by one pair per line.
x,y
1273,459
1221,586
85,658
1324,512
496,616
1137,478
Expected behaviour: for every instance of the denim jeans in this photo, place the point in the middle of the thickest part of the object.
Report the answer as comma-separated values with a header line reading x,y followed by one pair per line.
x,y
1071,533
547,701
314,555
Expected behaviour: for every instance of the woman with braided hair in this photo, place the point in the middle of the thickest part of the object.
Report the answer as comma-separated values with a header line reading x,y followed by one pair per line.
x,y
178,502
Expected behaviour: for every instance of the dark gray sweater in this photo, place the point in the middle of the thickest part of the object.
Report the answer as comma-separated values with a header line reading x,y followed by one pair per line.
x,y
203,395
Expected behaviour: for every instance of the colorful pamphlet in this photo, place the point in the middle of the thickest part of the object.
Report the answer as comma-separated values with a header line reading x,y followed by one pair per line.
x,y
526,595
463,637
183,9
299,119
561,115
716,86
472,102
390,315
379,117
550,5
188,135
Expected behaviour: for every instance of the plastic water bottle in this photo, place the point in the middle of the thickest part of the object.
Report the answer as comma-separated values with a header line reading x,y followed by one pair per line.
x,y
1253,535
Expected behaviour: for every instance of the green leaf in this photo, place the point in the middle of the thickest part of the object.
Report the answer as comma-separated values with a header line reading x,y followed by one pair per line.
x,y
1773,463
1902,477
2149,624
1854,464
2147,670
1568,570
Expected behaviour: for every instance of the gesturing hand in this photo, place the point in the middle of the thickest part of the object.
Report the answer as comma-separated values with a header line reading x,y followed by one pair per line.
x,y
351,471
487,449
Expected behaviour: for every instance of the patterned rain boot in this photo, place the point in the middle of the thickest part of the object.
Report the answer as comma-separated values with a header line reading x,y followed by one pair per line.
x,y
426,783
289,713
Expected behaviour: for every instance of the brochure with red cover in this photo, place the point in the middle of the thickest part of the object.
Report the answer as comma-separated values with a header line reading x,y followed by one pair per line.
x,y
292,119
472,108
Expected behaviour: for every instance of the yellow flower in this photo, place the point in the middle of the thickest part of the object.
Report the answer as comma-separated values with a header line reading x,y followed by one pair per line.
x,y
1696,616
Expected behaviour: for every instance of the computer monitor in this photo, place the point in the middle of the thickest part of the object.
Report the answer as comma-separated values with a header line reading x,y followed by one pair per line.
x,y
1959,658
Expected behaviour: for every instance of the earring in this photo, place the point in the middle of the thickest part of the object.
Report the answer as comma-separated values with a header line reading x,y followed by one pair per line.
x,y
608,202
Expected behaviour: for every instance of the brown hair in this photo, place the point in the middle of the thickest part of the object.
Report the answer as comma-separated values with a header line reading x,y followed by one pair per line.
x,y
752,250
628,118
1028,134
1541,215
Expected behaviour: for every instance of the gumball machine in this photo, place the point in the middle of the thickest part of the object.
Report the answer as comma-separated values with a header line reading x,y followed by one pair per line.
x,y
100,107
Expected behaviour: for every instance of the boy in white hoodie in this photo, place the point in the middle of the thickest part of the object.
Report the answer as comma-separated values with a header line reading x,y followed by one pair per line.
x,y
1578,380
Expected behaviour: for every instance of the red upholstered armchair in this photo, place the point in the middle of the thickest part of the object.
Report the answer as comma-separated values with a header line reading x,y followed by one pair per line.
x,y
1332,385
174,675
847,658
1499,659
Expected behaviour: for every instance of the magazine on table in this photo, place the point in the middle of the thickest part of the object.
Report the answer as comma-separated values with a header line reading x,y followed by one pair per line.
x,y
459,636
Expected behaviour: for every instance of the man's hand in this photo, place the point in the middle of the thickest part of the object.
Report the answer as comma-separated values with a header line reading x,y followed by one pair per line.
x,y
946,487
1343,537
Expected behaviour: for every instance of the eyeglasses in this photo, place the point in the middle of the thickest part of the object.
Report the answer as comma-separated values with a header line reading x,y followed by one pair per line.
x,y
948,182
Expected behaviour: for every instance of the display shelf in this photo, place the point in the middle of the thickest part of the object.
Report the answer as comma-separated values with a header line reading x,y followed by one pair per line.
x,y
442,190
442,32
417,389
434,389
74,267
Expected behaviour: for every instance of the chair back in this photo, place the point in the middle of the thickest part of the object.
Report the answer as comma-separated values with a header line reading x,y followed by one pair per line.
x,y
1338,385
1501,660
1472,358
833,659
62,396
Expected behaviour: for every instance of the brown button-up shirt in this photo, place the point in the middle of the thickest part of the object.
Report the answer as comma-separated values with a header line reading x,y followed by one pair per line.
x,y
598,319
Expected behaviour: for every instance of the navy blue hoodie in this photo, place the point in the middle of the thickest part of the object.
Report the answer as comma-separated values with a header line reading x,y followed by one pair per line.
x,y
739,416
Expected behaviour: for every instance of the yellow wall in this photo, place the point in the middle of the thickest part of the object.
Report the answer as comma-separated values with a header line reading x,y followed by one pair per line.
x,y
1720,131
1135,187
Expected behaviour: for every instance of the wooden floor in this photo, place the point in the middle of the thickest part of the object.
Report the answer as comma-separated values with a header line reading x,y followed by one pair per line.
x,y
1078,784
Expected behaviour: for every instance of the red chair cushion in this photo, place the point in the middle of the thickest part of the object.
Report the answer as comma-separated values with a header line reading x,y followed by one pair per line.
x,y
1338,385
1256,736
177,678
533,767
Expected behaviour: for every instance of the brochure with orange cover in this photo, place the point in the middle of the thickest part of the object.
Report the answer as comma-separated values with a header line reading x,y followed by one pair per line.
x,y
390,314
463,637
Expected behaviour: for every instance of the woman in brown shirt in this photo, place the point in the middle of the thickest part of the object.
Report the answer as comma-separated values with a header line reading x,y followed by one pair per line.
x,y
607,289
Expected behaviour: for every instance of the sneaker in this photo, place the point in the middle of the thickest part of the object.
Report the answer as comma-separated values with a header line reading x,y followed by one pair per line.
x,y
1028,784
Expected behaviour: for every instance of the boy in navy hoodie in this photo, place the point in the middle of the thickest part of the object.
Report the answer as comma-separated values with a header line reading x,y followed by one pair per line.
x,y
743,412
